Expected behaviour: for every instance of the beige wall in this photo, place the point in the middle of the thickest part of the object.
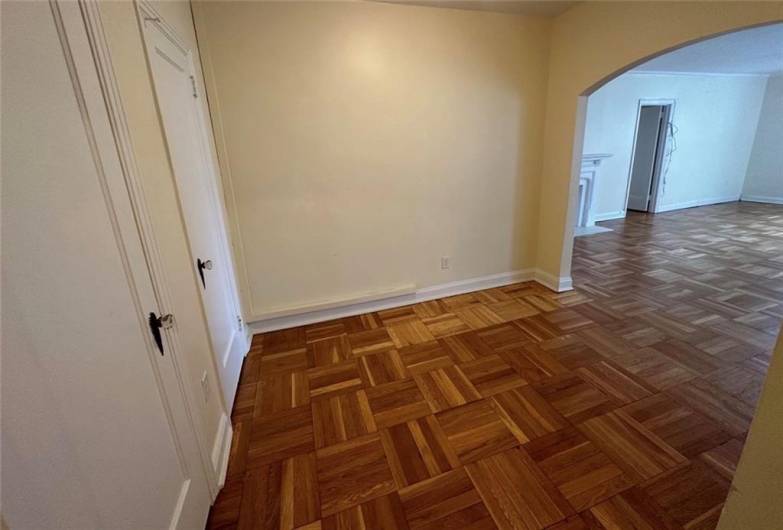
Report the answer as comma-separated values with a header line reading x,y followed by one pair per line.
x,y
591,42
754,500
364,141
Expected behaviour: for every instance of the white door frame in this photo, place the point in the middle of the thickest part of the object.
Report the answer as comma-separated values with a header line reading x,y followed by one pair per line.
x,y
148,15
657,189
98,55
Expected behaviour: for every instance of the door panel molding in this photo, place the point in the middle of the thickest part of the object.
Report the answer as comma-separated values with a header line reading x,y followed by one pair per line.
x,y
83,23
228,354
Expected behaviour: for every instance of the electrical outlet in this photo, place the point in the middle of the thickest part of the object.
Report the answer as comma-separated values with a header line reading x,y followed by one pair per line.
x,y
205,386
444,263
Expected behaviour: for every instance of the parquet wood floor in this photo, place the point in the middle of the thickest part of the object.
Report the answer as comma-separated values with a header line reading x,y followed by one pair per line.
x,y
622,404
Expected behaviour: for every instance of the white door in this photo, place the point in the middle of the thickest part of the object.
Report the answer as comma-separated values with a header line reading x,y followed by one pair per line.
x,y
184,125
96,430
645,156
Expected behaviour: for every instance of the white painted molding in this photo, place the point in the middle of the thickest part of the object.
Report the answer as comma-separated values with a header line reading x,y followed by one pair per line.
x,y
608,216
360,306
697,202
221,448
557,284
665,73
762,198
337,303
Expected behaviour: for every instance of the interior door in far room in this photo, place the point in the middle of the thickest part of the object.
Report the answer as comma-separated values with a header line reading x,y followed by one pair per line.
x,y
184,124
647,157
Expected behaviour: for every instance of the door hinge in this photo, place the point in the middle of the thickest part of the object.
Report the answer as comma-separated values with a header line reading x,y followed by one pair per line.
x,y
239,322
193,82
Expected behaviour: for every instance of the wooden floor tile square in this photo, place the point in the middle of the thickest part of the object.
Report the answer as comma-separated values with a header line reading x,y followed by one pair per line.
x,y
538,328
571,351
491,375
692,495
740,382
397,402
447,501
724,458
445,388
575,398
324,330
351,473
584,475
430,308
281,495
732,414
418,450
535,506
466,347
381,513
526,414
424,357
283,340
444,325
614,382
397,314
476,431
630,509
639,453
567,320
328,351
512,309
369,341
691,357
284,362
680,427
280,392
383,367
407,332
334,379
280,436
341,417
655,368
503,337
536,361
477,316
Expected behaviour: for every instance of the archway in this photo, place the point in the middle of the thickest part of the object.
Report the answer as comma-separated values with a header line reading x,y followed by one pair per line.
x,y
580,129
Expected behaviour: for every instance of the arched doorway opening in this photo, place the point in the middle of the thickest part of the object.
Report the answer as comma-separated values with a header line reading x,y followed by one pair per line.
x,y
564,281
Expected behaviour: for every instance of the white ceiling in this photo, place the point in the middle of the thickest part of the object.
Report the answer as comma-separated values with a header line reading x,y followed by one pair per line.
x,y
546,8
751,51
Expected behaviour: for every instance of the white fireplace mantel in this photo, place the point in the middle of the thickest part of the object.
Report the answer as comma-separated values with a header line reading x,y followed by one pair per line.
x,y
587,179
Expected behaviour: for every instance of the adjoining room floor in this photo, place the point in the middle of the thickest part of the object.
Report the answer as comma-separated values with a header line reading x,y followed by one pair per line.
x,y
624,403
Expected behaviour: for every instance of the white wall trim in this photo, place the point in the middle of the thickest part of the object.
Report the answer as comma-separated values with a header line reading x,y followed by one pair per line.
x,y
696,202
557,284
221,448
360,306
665,73
762,198
619,214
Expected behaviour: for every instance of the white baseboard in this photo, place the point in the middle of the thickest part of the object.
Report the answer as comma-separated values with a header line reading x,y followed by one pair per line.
x,y
358,307
231,365
221,449
697,202
557,284
351,308
608,216
762,198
